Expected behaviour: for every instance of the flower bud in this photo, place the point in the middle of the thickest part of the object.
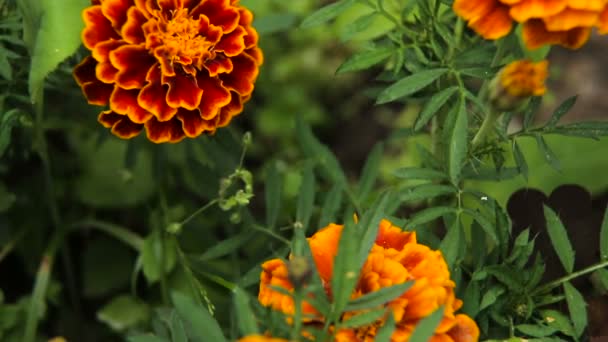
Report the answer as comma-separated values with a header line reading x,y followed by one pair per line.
x,y
517,82
299,271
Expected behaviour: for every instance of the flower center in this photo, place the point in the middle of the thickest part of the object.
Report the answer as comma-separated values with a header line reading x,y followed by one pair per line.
x,y
182,40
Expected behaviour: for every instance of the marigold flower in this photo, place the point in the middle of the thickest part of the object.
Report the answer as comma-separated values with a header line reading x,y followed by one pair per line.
x,y
557,22
395,258
178,68
261,338
516,82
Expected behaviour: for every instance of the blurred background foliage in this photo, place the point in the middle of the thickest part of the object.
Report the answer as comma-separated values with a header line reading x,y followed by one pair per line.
x,y
105,285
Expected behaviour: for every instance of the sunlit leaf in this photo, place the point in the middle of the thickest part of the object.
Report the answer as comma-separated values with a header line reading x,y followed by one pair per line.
x,y
562,110
577,308
409,85
559,239
457,143
326,13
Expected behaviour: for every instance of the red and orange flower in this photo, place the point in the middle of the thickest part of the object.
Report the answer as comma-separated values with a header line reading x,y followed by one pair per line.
x,y
395,258
556,22
178,68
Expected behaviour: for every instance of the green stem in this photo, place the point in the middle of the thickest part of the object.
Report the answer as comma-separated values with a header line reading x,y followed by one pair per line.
x,y
297,316
271,233
118,232
164,290
560,281
486,127
198,212
12,243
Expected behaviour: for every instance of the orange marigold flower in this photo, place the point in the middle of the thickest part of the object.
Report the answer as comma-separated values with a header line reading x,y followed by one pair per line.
x,y
261,338
518,81
178,68
395,258
559,22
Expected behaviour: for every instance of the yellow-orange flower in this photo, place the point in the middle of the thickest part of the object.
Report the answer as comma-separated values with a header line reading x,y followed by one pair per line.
x,y
557,22
395,258
178,68
516,82
261,338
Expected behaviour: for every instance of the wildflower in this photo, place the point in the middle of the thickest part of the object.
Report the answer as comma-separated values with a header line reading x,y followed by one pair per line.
x,y
395,258
261,338
556,22
176,68
516,82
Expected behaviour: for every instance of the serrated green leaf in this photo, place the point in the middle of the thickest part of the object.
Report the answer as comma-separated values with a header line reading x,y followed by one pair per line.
x,y
531,112
547,153
363,319
201,325
365,59
426,327
379,297
563,108
559,239
326,13
370,172
331,205
409,85
604,237
272,194
457,143
520,160
425,191
306,196
452,243
245,315
432,106
419,173
577,308
428,215
491,296
57,38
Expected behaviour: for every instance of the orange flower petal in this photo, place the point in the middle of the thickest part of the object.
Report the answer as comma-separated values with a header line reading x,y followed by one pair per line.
x,y
233,43
133,63
569,19
124,101
589,5
164,131
116,11
152,97
261,338
465,330
214,97
184,91
97,27
192,122
535,35
471,10
241,81
220,13
603,21
324,247
496,24
390,236
529,9
132,31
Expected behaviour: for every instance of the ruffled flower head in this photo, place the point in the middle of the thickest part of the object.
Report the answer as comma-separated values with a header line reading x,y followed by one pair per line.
x,y
518,81
395,258
556,22
178,68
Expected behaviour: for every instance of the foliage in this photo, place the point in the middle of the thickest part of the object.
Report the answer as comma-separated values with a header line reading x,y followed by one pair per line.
x,y
105,239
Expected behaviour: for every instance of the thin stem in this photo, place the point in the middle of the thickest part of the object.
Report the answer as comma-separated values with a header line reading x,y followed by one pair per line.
x,y
11,244
560,281
486,127
218,280
297,329
270,233
118,232
198,212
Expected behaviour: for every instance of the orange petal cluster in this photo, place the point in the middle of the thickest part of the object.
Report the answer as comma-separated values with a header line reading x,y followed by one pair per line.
x,y
395,258
555,22
524,78
176,68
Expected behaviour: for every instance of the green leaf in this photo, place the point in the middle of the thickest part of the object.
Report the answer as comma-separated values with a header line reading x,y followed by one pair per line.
x,y
9,120
358,25
274,22
558,320
152,255
178,332
531,112
379,297
425,191
451,245
245,315
386,331
409,85
547,153
199,321
428,215
225,247
124,312
484,223
604,237
369,225
425,328
411,173
331,205
365,59
577,308
533,330
363,319
458,142
326,13
346,267
272,194
559,239
57,38
491,296
432,106
370,172
520,160
306,197
563,108
146,338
